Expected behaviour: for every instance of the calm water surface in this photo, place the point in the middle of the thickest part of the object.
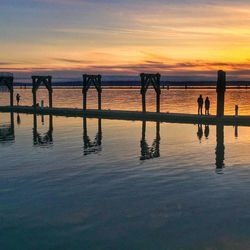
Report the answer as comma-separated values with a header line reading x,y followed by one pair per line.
x,y
173,100
73,183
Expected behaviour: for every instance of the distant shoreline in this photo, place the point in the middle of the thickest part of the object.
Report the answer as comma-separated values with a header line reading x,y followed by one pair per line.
x,y
136,85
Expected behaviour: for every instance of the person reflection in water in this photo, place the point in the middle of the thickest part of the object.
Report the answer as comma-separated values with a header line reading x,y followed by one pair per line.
x,y
200,105
200,132
207,106
206,132
18,119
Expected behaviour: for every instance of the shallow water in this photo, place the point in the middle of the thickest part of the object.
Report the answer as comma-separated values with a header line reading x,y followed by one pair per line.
x,y
173,100
70,183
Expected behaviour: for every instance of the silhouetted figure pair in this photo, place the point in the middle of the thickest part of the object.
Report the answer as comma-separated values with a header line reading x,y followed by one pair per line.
x,y
200,102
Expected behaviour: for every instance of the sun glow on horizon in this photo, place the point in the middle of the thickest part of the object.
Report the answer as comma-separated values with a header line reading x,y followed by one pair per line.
x,y
178,38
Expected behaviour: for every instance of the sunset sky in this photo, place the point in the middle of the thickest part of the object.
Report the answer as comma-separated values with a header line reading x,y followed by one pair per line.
x,y
177,38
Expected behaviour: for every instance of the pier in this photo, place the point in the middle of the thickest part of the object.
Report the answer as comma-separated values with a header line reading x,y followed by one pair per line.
x,y
132,115
147,80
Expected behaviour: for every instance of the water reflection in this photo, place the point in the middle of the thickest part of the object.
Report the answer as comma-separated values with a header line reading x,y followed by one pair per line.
x,y
92,146
207,131
18,119
42,139
200,132
148,152
236,132
7,134
7,131
220,148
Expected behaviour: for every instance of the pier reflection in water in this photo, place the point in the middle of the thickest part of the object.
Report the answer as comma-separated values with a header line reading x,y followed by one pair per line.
x,y
220,148
148,152
7,130
166,174
42,139
92,146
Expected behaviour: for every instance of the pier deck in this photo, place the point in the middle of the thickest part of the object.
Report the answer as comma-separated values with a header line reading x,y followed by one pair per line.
x,y
132,115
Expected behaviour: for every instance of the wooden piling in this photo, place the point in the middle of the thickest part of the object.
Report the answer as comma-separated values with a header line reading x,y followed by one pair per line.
x,y
36,83
221,89
158,102
146,81
99,100
7,80
96,81
143,102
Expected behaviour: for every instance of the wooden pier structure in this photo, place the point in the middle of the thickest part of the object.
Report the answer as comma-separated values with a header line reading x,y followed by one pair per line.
x,y
37,81
146,81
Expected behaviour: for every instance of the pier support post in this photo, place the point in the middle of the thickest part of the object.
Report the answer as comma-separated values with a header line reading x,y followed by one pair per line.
x,y
50,92
143,102
36,83
7,79
89,80
99,100
12,97
34,98
146,81
221,89
158,102
84,100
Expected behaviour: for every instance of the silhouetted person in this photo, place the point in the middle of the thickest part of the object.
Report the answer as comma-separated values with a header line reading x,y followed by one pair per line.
x,y
207,106
206,132
200,105
200,132
18,98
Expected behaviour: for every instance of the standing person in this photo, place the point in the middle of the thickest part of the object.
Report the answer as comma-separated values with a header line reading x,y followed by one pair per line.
x,y
207,106
200,105
18,98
